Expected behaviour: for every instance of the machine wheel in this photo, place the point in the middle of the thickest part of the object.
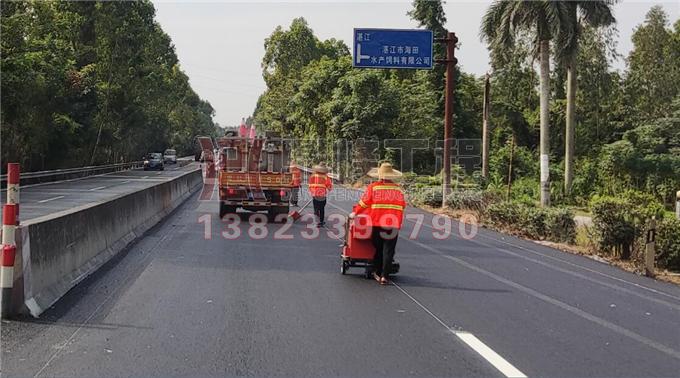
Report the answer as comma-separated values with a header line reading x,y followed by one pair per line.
x,y
344,267
226,209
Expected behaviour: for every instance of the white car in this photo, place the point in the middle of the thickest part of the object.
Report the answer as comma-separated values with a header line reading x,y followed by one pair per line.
x,y
170,156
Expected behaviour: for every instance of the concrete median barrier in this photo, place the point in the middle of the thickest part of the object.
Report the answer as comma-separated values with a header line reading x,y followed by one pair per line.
x,y
61,249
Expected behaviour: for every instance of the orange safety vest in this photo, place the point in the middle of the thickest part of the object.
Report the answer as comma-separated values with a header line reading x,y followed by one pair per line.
x,y
319,185
297,176
383,202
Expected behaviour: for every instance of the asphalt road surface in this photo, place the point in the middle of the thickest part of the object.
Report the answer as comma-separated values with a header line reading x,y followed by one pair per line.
x,y
46,198
188,301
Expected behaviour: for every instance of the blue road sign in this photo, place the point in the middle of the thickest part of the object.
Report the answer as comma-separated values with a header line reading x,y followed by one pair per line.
x,y
392,48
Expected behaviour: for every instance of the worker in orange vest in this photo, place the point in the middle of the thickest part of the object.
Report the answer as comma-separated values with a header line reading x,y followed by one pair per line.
x,y
297,181
383,203
319,186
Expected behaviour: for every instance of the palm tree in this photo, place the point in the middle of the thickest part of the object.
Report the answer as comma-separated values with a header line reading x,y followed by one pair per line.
x,y
580,13
503,22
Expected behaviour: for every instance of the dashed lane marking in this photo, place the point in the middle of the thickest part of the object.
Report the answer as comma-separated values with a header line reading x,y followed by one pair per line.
x,y
500,363
575,274
97,188
51,199
548,299
493,358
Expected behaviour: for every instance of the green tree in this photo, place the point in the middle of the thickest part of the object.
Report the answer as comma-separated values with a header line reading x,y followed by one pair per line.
x,y
653,79
430,15
503,23
92,82
578,14
287,52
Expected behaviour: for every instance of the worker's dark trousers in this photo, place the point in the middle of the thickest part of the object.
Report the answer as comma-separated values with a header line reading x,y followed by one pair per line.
x,y
385,246
294,195
319,208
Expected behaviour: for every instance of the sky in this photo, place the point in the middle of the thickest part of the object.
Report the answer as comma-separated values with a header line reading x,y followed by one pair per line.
x,y
220,44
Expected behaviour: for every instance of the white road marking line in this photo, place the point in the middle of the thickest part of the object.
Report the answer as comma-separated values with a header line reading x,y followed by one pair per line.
x,y
622,289
97,188
145,177
548,299
492,357
469,339
545,298
50,199
68,180
125,182
473,342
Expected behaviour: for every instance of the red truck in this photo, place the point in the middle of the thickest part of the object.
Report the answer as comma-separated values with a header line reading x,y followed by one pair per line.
x,y
254,175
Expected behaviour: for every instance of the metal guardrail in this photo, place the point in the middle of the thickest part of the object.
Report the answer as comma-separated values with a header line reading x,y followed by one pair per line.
x,y
70,173
60,174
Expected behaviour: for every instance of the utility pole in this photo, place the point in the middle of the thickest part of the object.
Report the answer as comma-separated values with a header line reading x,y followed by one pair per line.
x,y
485,127
451,40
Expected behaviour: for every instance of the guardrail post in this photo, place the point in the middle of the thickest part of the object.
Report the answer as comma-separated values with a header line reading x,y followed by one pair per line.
x,y
13,186
650,248
677,204
9,222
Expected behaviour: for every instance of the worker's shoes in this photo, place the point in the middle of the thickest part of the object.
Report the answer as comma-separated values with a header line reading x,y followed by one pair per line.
x,y
381,280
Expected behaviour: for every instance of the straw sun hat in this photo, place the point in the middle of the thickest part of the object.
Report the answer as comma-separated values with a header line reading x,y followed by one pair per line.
x,y
385,172
320,168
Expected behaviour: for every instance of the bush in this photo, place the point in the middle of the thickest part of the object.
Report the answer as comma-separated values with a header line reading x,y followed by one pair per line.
x,y
668,244
560,225
555,224
503,214
614,225
620,221
477,200
424,195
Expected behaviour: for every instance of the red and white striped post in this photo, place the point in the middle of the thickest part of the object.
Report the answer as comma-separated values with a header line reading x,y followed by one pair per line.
x,y
13,186
9,225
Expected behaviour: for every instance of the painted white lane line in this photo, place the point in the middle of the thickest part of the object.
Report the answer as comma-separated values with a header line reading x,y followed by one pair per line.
x,y
569,272
500,363
145,177
473,342
621,280
125,182
97,188
494,359
50,199
68,180
548,299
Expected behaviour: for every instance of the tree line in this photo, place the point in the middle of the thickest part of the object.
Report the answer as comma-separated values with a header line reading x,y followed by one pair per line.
x,y
554,92
91,83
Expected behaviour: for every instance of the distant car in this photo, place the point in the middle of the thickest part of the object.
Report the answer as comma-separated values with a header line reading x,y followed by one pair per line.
x,y
154,160
170,156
